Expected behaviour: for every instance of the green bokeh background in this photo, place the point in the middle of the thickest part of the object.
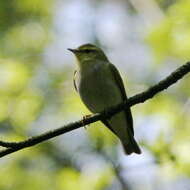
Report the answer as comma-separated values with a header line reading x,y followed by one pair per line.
x,y
37,94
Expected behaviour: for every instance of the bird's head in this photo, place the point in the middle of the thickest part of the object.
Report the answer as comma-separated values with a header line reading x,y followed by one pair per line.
x,y
88,52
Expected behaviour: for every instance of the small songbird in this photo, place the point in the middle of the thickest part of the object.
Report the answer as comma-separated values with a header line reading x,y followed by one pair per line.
x,y
100,86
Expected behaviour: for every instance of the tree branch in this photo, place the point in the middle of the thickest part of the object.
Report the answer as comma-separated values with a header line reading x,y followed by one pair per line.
x,y
11,147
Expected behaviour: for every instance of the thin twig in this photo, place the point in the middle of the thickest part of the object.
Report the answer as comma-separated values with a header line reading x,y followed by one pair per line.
x,y
139,98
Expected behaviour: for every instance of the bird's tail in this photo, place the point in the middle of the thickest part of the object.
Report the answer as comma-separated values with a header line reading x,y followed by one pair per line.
x,y
131,146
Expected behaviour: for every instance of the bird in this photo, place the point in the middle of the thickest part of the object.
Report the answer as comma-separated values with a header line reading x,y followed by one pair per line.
x,y
100,86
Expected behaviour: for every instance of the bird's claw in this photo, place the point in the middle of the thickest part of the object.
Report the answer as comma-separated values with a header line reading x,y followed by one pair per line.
x,y
85,117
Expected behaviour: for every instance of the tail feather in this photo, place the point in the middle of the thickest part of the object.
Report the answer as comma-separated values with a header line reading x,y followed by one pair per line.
x,y
131,146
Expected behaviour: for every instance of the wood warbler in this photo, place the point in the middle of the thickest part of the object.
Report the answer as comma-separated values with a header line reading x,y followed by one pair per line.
x,y
100,86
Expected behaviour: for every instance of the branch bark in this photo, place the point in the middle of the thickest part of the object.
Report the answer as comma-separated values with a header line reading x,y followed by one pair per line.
x,y
11,147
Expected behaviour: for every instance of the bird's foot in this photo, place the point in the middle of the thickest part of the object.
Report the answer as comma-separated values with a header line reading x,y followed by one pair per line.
x,y
85,117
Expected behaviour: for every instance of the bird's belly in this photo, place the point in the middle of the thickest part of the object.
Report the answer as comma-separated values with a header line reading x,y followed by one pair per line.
x,y
98,93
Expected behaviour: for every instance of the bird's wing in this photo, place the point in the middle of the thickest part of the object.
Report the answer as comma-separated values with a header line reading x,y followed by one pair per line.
x,y
74,80
106,123
120,84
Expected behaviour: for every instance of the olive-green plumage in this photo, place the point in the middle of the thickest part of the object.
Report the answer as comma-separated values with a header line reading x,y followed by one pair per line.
x,y
100,86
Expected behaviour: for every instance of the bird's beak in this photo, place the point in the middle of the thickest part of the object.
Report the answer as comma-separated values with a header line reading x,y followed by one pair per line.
x,y
73,50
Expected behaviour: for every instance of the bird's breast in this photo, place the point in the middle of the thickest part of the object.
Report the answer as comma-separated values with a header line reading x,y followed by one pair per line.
x,y
98,89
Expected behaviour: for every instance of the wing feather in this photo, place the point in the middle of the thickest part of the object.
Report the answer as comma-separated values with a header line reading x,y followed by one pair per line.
x,y
74,80
120,84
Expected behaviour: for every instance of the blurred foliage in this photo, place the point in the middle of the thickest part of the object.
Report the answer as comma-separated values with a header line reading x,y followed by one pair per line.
x,y
35,98
72,179
170,40
171,37
166,3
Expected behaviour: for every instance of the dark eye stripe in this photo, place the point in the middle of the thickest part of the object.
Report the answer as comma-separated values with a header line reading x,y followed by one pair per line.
x,y
88,50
